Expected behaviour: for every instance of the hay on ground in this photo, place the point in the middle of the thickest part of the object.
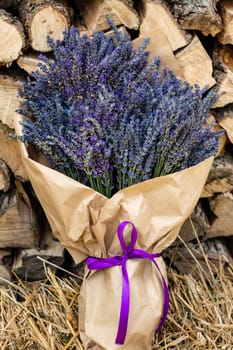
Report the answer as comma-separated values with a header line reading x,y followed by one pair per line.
x,y
44,315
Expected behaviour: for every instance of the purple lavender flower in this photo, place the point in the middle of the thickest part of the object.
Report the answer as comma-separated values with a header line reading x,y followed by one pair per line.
x,y
104,115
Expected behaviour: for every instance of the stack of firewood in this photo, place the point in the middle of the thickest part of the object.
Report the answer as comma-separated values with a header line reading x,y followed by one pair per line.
x,y
193,40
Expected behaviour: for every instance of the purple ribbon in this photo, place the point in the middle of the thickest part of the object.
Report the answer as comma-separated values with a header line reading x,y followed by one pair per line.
x,y
128,253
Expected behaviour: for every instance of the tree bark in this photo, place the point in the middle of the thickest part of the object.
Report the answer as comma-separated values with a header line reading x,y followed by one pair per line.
x,y
197,15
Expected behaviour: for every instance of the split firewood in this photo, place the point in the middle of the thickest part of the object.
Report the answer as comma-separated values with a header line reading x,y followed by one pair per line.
x,y
223,140
222,207
220,178
224,117
12,40
229,243
6,4
198,15
18,221
29,62
26,263
10,153
163,19
4,176
226,12
197,224
196,64
184,261
223,73
43,18
152,27
4,253
94,13
5,274
10,81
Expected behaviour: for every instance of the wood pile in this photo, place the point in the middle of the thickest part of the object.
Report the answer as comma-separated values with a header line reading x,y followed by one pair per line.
x,y
193,40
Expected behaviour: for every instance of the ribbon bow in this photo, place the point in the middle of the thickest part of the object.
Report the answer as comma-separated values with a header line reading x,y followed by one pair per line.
x,y
128,253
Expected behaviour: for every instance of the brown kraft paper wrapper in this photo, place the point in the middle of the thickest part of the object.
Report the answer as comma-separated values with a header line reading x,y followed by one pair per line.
x,y
86,224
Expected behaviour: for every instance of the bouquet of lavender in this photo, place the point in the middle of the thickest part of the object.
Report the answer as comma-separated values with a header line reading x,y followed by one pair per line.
x,y
112,125
103,115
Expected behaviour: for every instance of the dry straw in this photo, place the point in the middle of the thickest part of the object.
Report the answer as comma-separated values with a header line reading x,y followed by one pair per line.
x,y
44,315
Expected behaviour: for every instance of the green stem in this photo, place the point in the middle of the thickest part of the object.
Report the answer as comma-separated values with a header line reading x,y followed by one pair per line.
x,y
158,168
72,172
97,185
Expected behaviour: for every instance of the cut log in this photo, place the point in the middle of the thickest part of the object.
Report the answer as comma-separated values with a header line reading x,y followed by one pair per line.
x,y
198,15
223,73
4,176
26,263
10,81
226,12
29,62
222,207
10,153
220,178
94,12
12,38
159,45
196,64
43,18
18,222
224,118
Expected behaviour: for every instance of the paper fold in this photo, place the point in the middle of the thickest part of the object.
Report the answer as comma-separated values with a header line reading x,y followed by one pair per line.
x,y
85,222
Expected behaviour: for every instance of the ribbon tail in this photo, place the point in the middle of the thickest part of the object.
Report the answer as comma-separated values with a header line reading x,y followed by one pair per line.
x,y
125,305
165,307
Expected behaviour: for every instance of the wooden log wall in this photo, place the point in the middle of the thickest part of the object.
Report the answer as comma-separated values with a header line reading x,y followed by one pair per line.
x,y
194,39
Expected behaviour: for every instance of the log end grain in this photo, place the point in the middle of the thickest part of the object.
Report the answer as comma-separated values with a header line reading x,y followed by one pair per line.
x,y
47,22
44,18
12,38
